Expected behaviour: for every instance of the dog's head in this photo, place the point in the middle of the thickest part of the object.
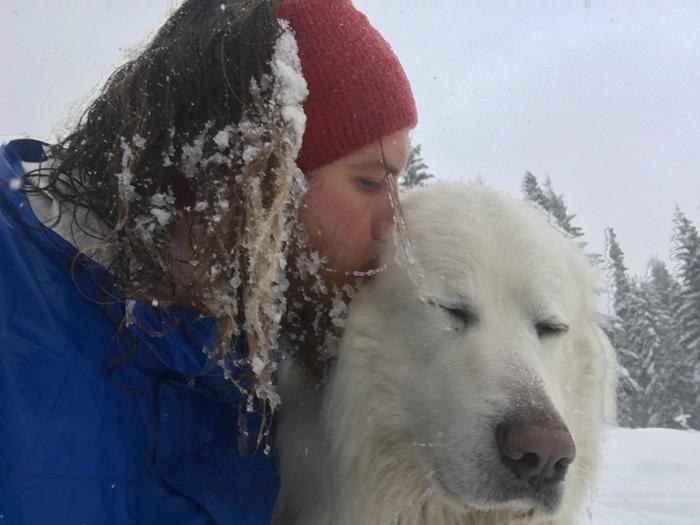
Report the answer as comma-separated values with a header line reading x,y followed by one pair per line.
x,y
485,351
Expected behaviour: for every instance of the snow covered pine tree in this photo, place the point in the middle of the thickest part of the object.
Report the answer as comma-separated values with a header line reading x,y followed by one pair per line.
x,y
671,397
416,171
687,256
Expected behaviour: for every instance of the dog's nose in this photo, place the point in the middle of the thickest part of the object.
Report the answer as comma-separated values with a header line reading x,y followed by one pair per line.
x,y
536,453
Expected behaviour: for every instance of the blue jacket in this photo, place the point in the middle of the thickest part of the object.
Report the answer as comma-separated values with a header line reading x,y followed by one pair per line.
x,y
153,442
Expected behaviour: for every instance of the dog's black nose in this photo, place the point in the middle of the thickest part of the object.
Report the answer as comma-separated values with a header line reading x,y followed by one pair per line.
x,y
536,453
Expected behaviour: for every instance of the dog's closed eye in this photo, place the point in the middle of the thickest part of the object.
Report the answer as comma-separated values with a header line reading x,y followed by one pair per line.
x,y
460,312
550,328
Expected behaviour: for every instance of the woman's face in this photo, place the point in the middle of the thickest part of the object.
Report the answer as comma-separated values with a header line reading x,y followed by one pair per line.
x,y
348,206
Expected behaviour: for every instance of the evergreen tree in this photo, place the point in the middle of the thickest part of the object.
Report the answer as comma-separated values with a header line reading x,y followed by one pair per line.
x,y
628,389
670,396
686,254
416,172
533,193
553,205
635,338
558,210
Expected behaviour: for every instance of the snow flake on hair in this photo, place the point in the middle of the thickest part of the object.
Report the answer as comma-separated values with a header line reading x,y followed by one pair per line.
x,y
170,153
290,84
125,176
191,157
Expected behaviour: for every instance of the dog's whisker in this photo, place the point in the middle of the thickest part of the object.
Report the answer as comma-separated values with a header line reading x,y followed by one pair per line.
x,y
578,468
416,445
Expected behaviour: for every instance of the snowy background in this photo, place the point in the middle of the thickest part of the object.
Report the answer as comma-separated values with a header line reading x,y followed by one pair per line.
x,y
600,95
650,477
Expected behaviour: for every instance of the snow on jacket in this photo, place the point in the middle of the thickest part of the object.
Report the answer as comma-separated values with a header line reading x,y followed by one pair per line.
x,y
153,442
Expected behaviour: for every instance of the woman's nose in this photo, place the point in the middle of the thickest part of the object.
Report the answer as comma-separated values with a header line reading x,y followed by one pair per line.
x,y
384,217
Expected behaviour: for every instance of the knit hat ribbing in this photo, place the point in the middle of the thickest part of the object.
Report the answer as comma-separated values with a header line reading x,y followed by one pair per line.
x,y
358,91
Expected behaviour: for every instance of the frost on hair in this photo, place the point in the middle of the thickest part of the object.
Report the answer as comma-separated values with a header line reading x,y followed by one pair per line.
x,y
245,190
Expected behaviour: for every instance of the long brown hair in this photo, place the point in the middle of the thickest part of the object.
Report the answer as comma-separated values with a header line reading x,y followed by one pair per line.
x,y
184,134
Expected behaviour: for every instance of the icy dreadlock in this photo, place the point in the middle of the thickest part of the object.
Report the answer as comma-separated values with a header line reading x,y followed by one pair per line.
x,y
202,130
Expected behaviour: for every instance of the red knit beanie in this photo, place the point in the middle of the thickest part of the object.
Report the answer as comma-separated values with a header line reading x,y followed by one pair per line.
x,y
358,91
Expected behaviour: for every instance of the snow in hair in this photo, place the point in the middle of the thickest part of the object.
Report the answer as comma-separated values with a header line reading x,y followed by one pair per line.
x,y
248,191
277,105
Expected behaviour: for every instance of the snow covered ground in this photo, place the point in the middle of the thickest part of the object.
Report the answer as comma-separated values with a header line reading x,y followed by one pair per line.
x,y
650,477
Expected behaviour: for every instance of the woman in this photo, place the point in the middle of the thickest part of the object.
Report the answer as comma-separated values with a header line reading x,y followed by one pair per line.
x,y
217,201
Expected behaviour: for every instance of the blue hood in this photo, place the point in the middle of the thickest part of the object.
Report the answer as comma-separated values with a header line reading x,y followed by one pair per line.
x,y
90,434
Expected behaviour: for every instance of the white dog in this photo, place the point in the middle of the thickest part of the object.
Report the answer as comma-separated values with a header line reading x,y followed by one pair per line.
x,y
472,392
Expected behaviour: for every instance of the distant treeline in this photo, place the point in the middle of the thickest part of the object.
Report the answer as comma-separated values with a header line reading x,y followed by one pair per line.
x,y
655,320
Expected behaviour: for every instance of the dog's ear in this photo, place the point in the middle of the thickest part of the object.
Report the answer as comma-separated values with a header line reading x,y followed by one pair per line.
x,y
609,371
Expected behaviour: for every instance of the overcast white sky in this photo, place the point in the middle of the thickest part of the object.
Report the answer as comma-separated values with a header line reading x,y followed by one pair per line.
x,y
602,96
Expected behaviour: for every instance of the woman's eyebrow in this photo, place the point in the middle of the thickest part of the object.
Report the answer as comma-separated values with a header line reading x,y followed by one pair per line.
x,y
376,164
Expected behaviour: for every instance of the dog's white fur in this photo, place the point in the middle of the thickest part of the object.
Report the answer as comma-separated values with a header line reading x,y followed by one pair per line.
x,y
403,431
